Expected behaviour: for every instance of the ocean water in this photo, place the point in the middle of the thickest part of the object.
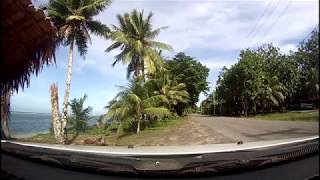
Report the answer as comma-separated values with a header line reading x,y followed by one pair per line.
x,y
26,124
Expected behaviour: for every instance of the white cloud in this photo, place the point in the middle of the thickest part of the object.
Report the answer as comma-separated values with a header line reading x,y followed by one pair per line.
x,y
287,48
217,25
100,61
212,31
217,63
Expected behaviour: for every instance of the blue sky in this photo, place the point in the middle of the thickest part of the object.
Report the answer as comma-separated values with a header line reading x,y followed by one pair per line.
x,y
213,32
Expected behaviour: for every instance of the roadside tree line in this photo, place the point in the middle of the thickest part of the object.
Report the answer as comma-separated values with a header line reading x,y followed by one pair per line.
x,y
265,80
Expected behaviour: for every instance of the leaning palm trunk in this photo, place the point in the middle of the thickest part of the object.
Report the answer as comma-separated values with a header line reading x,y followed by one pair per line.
x,y
67,93
56,121
5,108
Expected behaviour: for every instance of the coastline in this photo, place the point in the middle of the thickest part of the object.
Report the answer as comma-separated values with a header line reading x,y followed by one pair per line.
x,y
26,135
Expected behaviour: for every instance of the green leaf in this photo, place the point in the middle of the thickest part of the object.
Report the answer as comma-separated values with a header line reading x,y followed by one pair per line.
x,y
159,112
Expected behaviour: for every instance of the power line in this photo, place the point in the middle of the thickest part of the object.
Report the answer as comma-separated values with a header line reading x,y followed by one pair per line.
x,y
317,27
256,24
268,17
277,19
305,38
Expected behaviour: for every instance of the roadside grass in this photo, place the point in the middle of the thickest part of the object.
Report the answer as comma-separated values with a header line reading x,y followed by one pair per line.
x,y
154,131
290,116
41,138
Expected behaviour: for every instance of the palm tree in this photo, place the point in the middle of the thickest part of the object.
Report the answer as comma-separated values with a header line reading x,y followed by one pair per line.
x,y
80,115
135,102
134,37
271,92
163,85
110,103
73,19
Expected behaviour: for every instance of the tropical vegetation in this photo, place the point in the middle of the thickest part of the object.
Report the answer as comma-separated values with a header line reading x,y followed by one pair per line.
x,y
74,21
135,103
158,96
135,38
80,116
189,71
162,90
266,80
154,91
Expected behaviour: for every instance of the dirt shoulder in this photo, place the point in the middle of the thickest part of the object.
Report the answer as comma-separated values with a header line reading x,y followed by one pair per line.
x,y
177,132
187,133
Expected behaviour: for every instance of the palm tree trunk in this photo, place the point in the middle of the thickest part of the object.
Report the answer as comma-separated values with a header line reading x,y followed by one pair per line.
x,y
139,67
254,108
246,107
136,66
138,126
56,122
119,129
5,108
67,93
138,120
136,71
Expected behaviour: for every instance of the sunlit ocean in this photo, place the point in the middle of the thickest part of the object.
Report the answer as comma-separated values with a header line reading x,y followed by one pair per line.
x,y
26,124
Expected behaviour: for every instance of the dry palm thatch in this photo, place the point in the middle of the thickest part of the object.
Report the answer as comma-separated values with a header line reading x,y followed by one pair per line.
x,y
28,42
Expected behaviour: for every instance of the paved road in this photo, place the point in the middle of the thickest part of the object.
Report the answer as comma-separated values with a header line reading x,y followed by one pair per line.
x,y
256,130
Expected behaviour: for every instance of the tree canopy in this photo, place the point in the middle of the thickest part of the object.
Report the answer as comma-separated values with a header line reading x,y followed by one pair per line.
x,y
265,80
187,70
135,38
74,21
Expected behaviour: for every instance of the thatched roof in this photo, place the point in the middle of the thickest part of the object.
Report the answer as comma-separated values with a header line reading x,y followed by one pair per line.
x,y
28,42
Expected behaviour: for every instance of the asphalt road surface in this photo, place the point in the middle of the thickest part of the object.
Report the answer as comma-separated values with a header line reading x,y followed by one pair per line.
x,y
248,130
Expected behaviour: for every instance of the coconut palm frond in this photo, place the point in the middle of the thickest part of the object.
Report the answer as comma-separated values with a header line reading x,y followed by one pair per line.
x,y
274,100
81,42
133,98
153,34
280,97
161,45
134,37
98,28
155,101
74,20
80,115
90,8
159,112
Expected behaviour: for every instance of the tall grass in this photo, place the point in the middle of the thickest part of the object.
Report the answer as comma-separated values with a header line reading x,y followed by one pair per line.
x,y
291,116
